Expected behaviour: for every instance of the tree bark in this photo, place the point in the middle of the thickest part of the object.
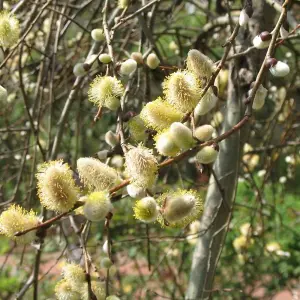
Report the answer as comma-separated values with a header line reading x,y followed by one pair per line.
x,y
218,203
221,192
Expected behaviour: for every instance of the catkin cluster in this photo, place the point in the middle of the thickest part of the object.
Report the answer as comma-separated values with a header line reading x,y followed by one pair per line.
x,y
73,285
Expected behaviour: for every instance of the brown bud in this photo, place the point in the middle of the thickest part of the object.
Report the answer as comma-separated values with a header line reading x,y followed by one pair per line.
x,y
265,36
271,61
86,67
215,90
137,56
216,146
128,115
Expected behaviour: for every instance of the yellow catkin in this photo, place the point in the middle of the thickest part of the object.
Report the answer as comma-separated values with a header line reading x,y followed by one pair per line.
x,y
64,291
137,129
106,91
56,187
146,210
159,114
96,175
15,219
182,90
198,63
73,274
9,29
141,166
97,206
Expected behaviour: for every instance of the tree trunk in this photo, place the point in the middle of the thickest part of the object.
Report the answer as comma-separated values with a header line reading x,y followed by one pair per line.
x,y
219,203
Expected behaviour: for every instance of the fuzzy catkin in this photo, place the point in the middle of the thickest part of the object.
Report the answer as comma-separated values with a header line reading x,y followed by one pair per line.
x,y
15,219
141,166
182,90
146,210
198,63
98,289
106,91
159,114
56,187
179,208
137,129
9,29
96,175
64,291
73,274
97,206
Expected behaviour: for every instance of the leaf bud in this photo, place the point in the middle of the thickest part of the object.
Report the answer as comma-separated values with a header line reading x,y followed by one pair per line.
x,y
98,35
111,139
106,263
105,247
137,129
123,4
138,57
105,58
284,30
279,69
165,144
182,136
102,155
259,98
262,40
244,18
207,103
79,70
152,61
207,155
204,133
128,67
